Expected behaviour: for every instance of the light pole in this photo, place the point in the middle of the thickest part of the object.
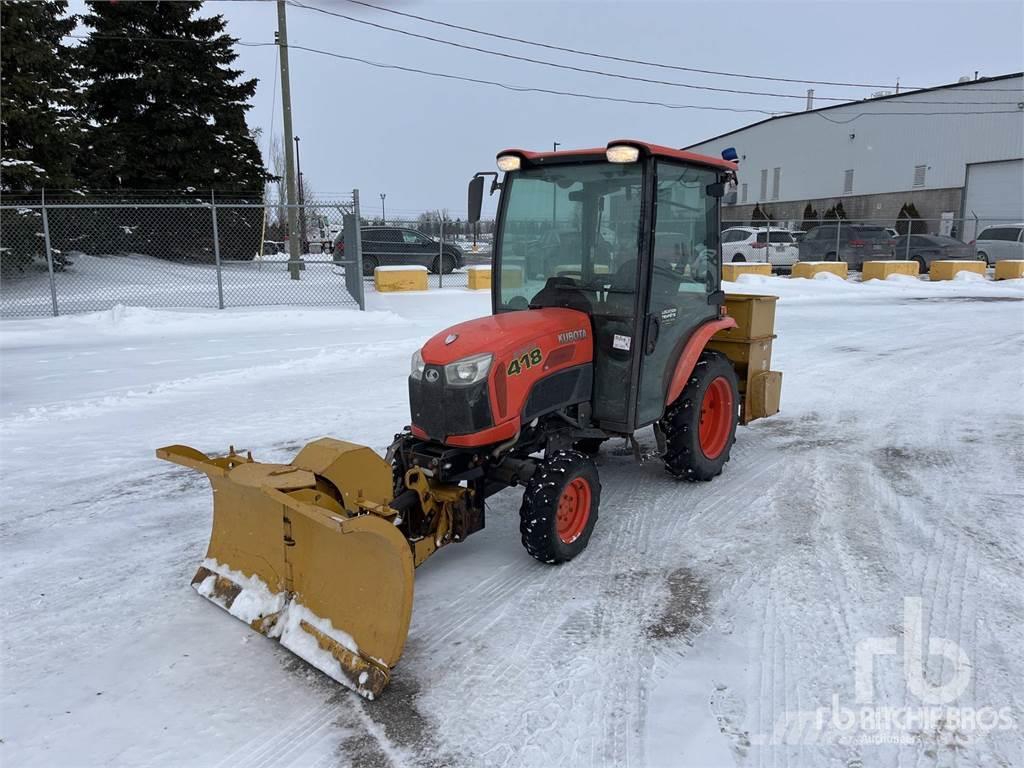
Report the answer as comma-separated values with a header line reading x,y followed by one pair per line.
x,y
554,192
302,199
383,218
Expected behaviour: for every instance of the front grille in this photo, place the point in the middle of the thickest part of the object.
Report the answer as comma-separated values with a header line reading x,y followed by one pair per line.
x,y
441,410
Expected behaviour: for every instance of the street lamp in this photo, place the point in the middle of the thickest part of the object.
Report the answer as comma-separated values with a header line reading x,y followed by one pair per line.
x,y
302,199
383,218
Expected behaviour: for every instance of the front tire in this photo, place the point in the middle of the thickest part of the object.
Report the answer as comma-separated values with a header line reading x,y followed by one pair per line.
x,y
922,265
370,264
982,256
559,509
444,263
700,426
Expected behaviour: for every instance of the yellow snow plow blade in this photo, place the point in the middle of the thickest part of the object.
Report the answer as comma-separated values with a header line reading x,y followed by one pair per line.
x,y
309,553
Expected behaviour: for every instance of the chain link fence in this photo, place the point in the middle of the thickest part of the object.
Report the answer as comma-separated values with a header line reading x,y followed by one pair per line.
x,y
62,257
445,244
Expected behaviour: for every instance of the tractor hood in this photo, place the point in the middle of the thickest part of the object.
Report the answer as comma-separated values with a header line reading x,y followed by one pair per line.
x,y
508,333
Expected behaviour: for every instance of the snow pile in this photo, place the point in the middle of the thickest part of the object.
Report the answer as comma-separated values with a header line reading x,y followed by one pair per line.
x,y
254,601
306,646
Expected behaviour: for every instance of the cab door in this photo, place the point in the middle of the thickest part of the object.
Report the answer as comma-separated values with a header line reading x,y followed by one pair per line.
x,y
682,272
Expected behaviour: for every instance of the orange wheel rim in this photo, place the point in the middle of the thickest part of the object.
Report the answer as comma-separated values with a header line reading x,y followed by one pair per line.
x,y
573,510
716,415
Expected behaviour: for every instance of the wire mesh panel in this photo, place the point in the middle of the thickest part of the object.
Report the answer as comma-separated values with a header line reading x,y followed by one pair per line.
x,y
25,278
267,274
446,245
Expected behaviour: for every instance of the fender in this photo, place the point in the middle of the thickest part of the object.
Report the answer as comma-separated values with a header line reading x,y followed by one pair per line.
x,y
692,352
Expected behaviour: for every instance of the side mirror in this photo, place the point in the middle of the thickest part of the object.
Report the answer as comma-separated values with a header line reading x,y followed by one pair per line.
x,y
716,298
715,190
476,198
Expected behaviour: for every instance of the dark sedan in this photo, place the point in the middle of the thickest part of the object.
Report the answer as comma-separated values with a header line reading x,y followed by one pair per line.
x,y
398,246
924,249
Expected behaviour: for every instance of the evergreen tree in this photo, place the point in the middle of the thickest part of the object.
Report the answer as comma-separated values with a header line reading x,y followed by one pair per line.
x,y
830,214
757,216
810,218
38,124
840,211
167,111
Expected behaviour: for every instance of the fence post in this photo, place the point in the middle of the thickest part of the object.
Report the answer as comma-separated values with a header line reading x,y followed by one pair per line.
x,y
440,253
216,252
357,280
839,229
49,255
910,232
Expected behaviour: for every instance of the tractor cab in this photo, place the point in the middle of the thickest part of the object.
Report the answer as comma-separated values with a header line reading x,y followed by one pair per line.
x,y
626,234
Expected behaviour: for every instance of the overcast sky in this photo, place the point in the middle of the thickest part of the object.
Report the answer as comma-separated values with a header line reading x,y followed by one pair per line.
x,y
419,139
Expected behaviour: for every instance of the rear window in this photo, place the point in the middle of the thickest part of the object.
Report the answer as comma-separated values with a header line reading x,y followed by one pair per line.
x,y
1000,233
774,237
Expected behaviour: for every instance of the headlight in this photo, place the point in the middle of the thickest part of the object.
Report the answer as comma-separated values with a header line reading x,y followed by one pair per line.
x,y
469,370
509,162
622,153
417,365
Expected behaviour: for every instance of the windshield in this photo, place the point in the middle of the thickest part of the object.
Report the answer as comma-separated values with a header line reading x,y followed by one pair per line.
x,y
578,222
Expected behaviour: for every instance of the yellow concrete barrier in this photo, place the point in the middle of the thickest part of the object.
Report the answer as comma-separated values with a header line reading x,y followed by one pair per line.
x,y
733,270
880,270
478,277
406,278
1011,269
947,269
812,268
511,277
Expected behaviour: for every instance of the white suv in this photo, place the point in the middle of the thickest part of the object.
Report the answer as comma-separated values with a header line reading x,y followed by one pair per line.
x,y
999,243
766,245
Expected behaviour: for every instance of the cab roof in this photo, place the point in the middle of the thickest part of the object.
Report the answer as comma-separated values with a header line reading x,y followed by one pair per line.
x,y
646,148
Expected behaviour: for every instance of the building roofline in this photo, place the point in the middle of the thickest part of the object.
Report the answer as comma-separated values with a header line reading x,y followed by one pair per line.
x,y
993,79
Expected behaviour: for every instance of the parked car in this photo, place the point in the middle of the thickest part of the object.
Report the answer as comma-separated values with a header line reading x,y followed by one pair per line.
x,y
760,244
398,246
999,243
857,243
924,249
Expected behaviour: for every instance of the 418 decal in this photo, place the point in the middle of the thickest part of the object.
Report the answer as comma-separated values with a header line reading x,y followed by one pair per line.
x,y
524,362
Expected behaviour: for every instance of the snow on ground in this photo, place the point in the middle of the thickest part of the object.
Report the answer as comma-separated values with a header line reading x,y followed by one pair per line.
x,y
699,619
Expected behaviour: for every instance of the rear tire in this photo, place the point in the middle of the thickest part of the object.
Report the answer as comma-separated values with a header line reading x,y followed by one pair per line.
x,y
922,265
739,257
700,426
831,256
559,509
446,261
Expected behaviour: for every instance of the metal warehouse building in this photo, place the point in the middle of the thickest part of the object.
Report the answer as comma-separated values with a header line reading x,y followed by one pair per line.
x,y
878,154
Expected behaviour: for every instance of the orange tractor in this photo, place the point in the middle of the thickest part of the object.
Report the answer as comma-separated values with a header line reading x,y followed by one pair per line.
x,y
608,317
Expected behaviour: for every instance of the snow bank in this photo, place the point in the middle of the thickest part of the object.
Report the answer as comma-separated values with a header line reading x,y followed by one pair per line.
x,y
255,601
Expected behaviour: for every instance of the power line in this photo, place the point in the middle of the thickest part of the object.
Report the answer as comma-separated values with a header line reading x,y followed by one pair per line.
x,y
554,92
595,97
602,73
627,60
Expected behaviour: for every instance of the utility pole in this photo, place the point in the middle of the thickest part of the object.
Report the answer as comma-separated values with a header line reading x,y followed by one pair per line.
x,y
383,218
554,192
302,198
294,259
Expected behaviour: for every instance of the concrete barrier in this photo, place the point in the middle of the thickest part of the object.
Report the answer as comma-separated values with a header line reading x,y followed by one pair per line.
x,y
812,268
880,270
400,278
947,269
1010,269
734,269
478,277
511,277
